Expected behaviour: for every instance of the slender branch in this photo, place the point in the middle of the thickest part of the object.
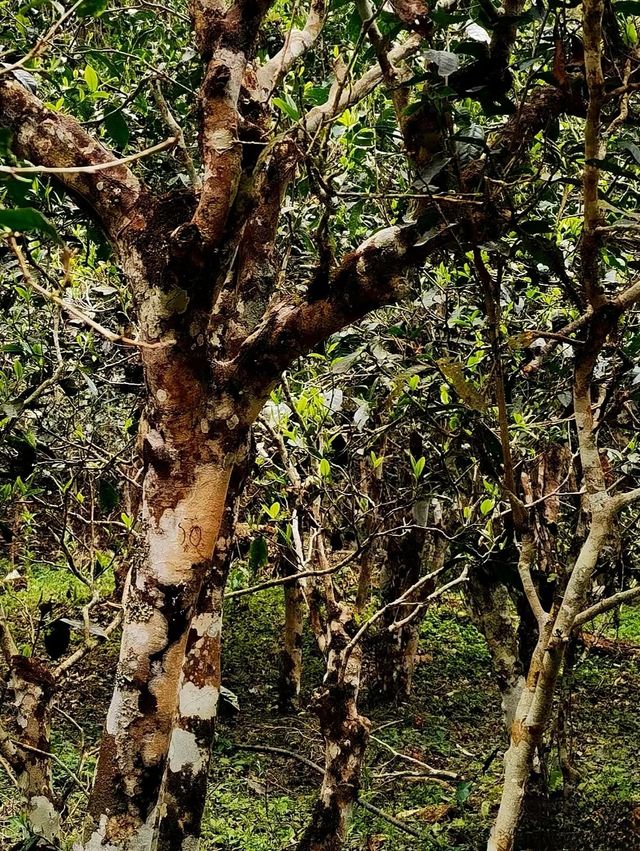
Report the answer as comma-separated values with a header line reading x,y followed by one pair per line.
x,y
320,770
606,605
527,555
396,625
83,651
428,769
73,310
169,119
296,44
377,615
42,43
54,758
592,12
89,169
294,577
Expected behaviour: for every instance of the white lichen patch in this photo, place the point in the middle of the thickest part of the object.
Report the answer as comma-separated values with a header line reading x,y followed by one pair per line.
x,y
208,623
184,751
198,702
124,705
43,818
97,841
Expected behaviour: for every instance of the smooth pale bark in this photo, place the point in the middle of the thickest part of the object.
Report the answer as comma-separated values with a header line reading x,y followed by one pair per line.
x,y
536,701
345,734
184,786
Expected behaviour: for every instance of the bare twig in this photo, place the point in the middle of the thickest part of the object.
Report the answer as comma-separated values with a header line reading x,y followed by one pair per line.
x,y
176,129
88,169
75,311
428,769
319,770
606,605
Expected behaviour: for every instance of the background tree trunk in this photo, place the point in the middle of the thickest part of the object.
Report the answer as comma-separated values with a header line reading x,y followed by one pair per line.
x,y
408,557
291,656
494,616
33,688
345,734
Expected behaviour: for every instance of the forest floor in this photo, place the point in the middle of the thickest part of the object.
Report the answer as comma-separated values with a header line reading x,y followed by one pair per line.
x,y
260,801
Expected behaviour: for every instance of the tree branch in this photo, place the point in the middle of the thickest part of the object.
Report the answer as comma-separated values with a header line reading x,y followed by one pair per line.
x,y
296,44
54,140
606,605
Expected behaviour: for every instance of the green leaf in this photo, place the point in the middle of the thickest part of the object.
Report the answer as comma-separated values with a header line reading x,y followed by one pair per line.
x,y
287,106
486,506
26,220
463,791
417,465
274,510
91,78
117,128
91,8
324,468
258,553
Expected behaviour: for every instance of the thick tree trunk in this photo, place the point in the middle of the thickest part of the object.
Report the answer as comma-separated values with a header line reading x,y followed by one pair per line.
x,y
189,452
408,556
345,734
184,787
33,688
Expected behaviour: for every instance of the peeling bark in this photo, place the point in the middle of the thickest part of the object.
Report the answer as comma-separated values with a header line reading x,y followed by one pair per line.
x,y
33,688
181,517
182,797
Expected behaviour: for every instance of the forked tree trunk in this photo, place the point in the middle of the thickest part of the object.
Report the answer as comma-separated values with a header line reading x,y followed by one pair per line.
x,y
345,734
536,701
182,797
33,688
